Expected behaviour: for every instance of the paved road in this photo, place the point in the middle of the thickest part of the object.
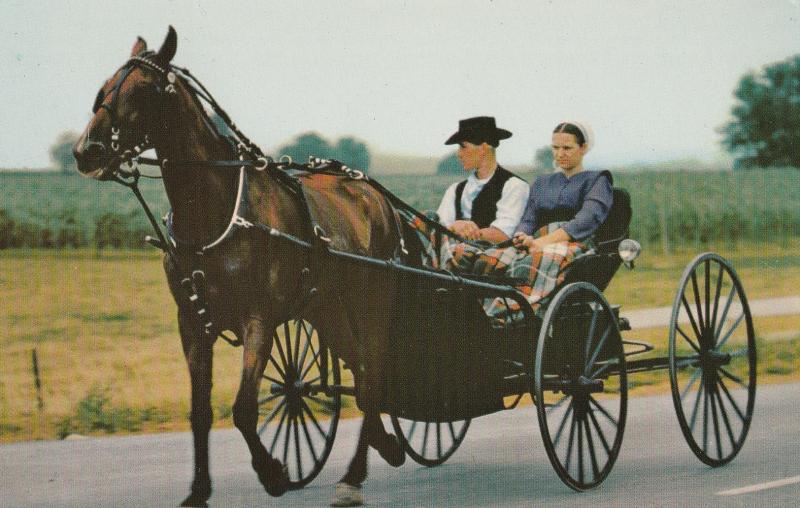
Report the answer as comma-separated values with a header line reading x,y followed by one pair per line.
x,y
501,463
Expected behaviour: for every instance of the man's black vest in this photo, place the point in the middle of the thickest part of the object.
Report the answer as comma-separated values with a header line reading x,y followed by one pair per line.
x,y
484,206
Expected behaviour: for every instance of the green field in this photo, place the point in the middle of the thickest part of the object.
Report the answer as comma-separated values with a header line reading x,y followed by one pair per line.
x,y
103,322
670,208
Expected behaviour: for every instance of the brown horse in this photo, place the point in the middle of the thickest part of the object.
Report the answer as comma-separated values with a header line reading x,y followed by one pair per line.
x,y
250,280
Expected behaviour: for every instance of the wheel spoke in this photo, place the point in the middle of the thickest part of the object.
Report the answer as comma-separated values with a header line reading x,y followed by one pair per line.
x,y
592,325
309,440
271,415
297,447
580,451
730,331
567,414
605,413
693,418
724,415
590,446
691,343
691,382
438,440
555,406
277,367
713,324
314,361
278,432
707,295
600,434
287,337
425,439
725,311
705,421
452,431
289,422
700,320
606,365
298,327
312,418
411,430
733,378
597,350
716,423
691,317
269,398
569,445
302,363
278,382
277,341
730,399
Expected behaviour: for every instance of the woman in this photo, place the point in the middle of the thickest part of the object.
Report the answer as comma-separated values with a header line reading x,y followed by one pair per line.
x,y
563,211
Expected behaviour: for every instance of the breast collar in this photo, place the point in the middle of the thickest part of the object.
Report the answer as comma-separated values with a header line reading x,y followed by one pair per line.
x,y
238,220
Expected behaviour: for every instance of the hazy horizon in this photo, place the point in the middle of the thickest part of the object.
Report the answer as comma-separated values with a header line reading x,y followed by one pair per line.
x,y
655,80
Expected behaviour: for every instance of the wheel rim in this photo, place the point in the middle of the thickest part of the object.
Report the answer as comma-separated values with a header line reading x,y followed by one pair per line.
x,y
430,443
712,359
581,395
298,415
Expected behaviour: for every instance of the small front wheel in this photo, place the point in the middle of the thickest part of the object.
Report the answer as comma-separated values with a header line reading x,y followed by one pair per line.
x,y
580,386
299,401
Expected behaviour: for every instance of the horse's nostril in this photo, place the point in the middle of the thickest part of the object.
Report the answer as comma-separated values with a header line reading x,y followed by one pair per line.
x,y
89,154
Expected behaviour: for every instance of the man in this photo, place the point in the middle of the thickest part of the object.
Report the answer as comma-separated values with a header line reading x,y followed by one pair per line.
x,y
489,204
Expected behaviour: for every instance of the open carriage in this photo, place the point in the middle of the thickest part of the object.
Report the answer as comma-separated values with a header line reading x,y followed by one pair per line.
x,y
449,362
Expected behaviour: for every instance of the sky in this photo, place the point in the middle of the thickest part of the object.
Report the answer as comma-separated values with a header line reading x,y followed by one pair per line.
x,y
653,78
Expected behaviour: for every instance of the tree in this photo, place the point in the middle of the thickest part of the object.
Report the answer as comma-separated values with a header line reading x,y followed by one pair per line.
x,y
349,151
543,158
61,152
765,129
450,165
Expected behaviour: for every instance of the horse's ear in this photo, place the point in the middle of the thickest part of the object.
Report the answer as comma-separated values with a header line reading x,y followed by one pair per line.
x,y
168,48
139,46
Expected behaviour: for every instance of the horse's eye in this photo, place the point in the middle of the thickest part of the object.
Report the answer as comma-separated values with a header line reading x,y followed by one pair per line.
x,y
98,100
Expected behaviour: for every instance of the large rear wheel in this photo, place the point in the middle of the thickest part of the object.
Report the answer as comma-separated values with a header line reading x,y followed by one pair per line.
x,y
299,402
580,386
712,359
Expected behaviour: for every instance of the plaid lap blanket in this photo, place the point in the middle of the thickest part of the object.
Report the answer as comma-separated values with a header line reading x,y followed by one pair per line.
x,y
543,271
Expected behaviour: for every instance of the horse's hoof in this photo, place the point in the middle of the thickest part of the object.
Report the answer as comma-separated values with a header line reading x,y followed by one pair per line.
x,y
393,453
347,495
195,500
279,483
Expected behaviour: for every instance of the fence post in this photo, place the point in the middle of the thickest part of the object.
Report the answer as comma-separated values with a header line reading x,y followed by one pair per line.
x,y
36,379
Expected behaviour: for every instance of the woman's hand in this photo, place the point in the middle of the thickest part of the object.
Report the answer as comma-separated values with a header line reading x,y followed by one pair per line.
x,y
527,242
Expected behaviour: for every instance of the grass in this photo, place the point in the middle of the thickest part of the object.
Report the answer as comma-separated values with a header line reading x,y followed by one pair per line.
x,y
106,336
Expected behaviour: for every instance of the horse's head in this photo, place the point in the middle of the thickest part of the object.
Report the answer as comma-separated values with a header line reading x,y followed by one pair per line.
x,y
127,110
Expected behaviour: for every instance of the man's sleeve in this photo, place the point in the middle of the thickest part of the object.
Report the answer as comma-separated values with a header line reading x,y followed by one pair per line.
x,y
447,208
511,205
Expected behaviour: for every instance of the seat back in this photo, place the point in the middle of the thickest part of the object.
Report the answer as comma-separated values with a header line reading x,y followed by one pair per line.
x,y
615,228
599,268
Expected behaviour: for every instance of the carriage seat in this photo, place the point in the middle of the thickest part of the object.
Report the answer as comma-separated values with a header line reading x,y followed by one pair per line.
x,y
599,268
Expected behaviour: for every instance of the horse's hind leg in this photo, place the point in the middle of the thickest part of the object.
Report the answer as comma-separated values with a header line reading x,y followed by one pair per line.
x,y
257,345
197,348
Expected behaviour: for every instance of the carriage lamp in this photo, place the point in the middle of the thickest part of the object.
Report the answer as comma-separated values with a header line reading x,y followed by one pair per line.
x,y
628,251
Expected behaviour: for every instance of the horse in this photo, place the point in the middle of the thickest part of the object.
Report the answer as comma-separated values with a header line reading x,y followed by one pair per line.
x,y
250,281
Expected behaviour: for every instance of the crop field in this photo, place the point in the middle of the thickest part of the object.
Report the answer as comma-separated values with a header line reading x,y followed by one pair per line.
x,y
103,324
670,208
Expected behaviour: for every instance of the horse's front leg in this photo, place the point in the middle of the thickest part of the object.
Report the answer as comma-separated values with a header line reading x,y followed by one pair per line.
x,y
198,350
257,346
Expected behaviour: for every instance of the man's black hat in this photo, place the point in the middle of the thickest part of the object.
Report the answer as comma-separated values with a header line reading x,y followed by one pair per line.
x,y
477,130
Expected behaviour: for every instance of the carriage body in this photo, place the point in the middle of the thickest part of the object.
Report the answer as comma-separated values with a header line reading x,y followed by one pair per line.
x,y
449,362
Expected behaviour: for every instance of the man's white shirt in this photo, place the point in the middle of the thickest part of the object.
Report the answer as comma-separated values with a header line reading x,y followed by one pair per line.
x,y
510,207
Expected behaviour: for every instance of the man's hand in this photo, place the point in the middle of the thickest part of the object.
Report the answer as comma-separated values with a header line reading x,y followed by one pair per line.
x,y
465,228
